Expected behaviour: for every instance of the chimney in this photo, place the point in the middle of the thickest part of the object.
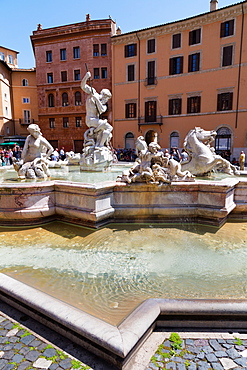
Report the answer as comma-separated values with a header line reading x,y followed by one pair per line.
x,y
88,18
213,5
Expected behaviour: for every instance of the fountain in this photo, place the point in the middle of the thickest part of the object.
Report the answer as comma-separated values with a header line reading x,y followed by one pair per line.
x,y
155,191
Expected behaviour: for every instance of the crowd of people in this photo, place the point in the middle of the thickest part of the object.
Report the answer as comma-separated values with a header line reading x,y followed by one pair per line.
x,y
7,154
129,155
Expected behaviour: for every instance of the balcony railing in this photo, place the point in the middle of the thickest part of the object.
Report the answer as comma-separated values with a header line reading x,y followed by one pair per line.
x,y
150,81
23,121
158,120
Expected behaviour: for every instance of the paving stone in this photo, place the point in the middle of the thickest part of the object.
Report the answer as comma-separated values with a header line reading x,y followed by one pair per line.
x,y
207,349
228,363
220,353
13,339
41,347
215,344
171,365
200,356
153,367
24,350
193,350
32,355
18,346
189,342
227,345
177,359
3,363
42,363
12,332
167,343
24,365
9,367
221,341
3,332
181,367
240,348
17,358
230,341
8,325
192,366
211,357
242,361
21,332
65,364
216,366
2,318
27,339
1,354
50,352
53,366
201,342
8,347
8,355
203,365
35,343
189,356
232,353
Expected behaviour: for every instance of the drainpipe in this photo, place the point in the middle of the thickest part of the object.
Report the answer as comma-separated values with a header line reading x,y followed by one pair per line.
x,y
239,67
139,83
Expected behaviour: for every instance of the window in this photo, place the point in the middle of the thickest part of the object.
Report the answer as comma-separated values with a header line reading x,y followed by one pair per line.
x,y
104,72
77,75
103,50
95,50
2,57
11,59
52,122
151,46
174,140
129,140
225,101
176,41
26,100
50,78
64,76
227,56
176,65
77,121
49,56
26,116
62,54
150,111
65,100
24,82
50,100
223,140
77,98
151,73
130,110
65,122
131,72
194,62
130,50
76,52
194,104
96,73
175,106
195,37
227,28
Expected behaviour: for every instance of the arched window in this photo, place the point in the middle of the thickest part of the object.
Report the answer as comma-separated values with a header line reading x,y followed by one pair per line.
x,y
174,140
129,141
77,98
24,82
151,136
65,100
50,100
223,142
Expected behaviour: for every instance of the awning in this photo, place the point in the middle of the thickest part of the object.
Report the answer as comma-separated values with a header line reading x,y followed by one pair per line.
x,y
9,143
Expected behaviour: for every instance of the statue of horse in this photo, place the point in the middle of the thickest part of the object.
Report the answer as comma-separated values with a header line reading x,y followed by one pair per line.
x,y
202,157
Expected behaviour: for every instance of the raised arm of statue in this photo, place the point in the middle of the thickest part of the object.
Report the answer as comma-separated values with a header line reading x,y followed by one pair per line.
x,y
88,89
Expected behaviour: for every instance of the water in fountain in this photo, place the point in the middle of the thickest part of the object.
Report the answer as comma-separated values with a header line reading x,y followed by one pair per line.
x,y
108,272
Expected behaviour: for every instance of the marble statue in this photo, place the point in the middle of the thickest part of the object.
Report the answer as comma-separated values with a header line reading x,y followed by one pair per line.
x,y
97,153
153,167
201,155
35,154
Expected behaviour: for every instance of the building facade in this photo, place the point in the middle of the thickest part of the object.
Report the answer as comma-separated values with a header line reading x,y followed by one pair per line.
x,y
63,54
171,78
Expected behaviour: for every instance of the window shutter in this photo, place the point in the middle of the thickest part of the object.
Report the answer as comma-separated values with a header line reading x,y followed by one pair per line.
x,y
181,64
179,106
126,51
190,63
170,107
188,105
126,110
171,72
197,61
231,27
135,49
222,29
230,100
134,106
191,38
219,102
198,104
198,36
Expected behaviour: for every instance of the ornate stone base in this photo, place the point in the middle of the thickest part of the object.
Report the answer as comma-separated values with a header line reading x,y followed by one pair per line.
x,y
100,160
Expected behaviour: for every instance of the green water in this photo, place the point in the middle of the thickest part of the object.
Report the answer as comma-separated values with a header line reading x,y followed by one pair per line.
x,y
108,272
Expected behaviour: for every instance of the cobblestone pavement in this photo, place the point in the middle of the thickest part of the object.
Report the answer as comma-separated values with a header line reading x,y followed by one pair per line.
x,y
20,349
200,354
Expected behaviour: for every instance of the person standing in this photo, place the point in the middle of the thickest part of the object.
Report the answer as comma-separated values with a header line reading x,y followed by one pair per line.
x,y
242,160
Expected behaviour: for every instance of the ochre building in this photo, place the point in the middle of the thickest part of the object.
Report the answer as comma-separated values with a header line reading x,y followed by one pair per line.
x,y
63,54
170,78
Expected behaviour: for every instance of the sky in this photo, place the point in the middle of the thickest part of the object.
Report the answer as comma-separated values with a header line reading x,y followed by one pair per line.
x,y
19,19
